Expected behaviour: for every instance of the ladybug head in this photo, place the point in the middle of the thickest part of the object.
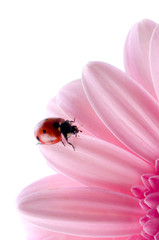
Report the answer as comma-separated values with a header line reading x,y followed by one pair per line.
x,y
74,129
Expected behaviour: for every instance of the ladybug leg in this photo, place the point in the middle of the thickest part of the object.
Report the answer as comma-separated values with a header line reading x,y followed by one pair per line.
x,y
70,144
72,120
63,143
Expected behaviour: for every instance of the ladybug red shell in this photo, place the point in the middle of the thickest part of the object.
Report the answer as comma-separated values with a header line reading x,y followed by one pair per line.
x,y
50,130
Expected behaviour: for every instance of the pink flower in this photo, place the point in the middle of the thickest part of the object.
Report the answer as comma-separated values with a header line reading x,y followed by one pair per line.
x,y
110,183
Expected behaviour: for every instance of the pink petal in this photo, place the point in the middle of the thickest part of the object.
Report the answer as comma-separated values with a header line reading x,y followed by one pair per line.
x,y
154,182
36,233
85,211
152,200
154,59
145,180
54,110
135,237
124,106
152,213
157,166
151,227
146,193
56,180
52,182
156,236
143,205
97,163
146,236
143,220
136,54
72,99
138,191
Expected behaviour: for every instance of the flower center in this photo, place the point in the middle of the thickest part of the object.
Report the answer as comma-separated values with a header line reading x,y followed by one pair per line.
x,y
148,193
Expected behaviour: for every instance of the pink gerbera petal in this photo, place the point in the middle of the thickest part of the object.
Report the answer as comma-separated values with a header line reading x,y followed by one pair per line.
x,y
136,54
125,107
151,227
97,163
154,59
152,200
56,180
37,233
50,183
72,99
54,110
82,211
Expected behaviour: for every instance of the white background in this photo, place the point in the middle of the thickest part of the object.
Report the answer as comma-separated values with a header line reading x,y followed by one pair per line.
x,y
44,45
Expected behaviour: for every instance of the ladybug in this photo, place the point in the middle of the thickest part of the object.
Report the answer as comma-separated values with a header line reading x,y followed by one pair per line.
x,y
50,130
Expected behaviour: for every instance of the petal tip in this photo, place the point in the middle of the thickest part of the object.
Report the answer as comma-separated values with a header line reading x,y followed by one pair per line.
x,y
89,65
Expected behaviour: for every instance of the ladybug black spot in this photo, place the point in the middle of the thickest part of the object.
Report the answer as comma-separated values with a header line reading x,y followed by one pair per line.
x,y
44,131
38,138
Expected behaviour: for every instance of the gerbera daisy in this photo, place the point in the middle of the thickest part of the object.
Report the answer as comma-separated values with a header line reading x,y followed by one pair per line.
x,y
109,186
